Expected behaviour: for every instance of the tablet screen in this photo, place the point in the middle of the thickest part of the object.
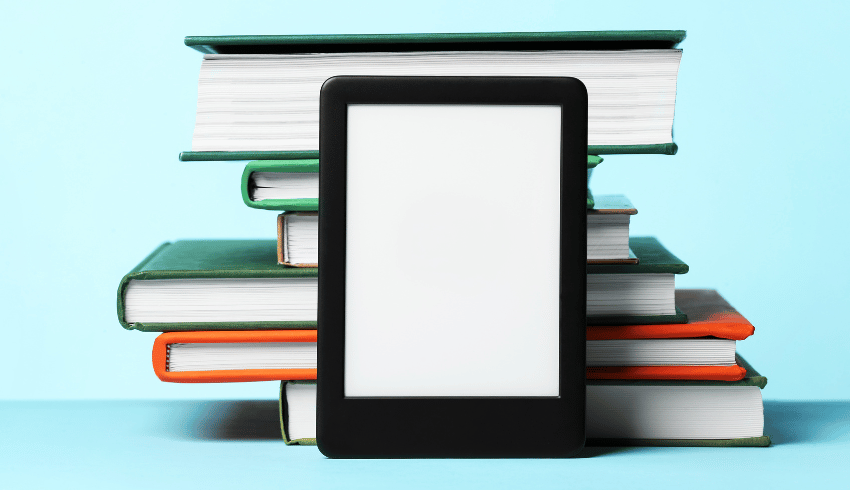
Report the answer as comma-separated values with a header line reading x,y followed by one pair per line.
x,y
452,250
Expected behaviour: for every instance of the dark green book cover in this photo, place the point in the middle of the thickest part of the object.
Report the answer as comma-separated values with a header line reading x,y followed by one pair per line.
x,y
478,41
212,259
654,259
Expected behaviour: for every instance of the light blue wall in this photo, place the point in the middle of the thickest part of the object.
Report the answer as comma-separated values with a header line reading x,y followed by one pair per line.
x,y
97,99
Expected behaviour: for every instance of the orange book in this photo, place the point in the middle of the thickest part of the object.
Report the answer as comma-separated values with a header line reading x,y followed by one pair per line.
x,y
705,373
709,315
235,356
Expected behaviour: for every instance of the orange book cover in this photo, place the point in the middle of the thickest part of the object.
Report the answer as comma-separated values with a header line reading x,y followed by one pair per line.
x,y
162,343
709,315
705,373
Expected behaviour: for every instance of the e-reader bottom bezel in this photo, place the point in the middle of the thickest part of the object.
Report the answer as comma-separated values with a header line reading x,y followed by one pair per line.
x,y
453,426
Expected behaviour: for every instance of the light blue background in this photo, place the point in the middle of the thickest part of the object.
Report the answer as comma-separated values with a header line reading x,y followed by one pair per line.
x,y
98,98
151,444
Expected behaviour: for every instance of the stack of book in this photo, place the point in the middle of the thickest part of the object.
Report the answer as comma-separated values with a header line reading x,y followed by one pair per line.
x,y
662,367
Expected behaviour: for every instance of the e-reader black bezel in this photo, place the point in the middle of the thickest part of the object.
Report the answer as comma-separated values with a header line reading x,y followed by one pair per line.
x,y
451,426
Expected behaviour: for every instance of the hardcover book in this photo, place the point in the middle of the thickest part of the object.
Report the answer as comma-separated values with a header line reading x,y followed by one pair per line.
x,y
619,413
607,235
258,95
702,349
238,285
293,185
216,285
642,293
235,356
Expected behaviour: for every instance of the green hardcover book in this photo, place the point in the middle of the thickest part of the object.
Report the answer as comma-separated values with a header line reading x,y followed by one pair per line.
x,y
281,185
293,185
629,408
216,285
238,285
258,95
694,413
642,293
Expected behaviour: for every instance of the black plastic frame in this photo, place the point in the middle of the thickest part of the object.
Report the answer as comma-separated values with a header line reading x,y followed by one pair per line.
x,y
452,426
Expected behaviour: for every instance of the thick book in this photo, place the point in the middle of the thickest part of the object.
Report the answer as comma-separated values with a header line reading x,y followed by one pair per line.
x,y
217,285
619,413
235,356
702,349
193,285
258,95
293,185
607,235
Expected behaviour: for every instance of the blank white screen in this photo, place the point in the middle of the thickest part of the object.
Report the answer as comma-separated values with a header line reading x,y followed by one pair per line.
x,y
441,199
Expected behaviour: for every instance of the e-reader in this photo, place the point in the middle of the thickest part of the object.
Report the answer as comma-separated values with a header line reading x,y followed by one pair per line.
x,y
452,252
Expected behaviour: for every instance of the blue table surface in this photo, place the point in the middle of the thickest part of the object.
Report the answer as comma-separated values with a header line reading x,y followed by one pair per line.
x,y
225,444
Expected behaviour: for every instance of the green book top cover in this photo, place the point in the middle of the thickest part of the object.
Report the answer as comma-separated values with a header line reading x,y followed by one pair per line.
x,y
654,259
330,43
211,259
312,166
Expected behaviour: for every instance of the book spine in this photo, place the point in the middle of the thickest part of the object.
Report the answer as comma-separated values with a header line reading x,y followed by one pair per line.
x,y
283,410
122,286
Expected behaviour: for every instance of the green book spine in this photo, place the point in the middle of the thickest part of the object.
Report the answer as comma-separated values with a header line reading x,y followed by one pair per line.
x,y
211,259
283,166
